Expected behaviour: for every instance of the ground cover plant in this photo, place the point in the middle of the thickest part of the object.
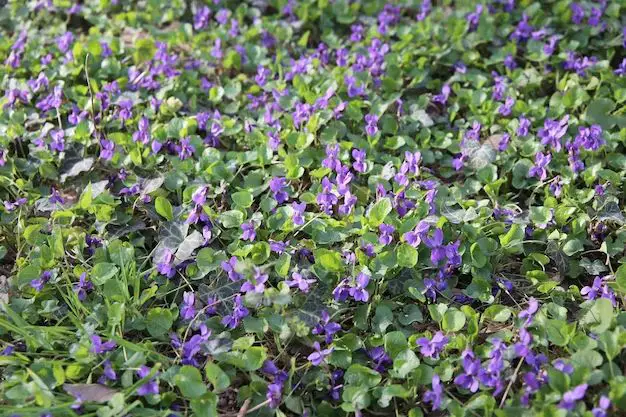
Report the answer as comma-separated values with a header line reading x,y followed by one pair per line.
x,y
312,208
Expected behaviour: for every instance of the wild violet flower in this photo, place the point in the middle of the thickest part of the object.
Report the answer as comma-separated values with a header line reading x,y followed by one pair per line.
x,y
239,312
528,313
326,199
468,379
108,374
278,186
187,309
578,13
506,107
298,215
150,387
579,64
474,18
415,236
39,283
230,268
523,126
437,248
371,124
380,358
431,348
539,169
603,407
299,281
386,234
249,232
568,402
326,327
442,98
552,132
97,346
434,395
359,164
166,266
599,288
82,287
256,284
589,138
58,140
319,355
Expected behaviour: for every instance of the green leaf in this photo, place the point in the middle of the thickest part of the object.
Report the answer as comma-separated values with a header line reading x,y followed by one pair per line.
x,y
453,320
164,208
243,199
379,211
404,363
231,218
599,317
159,321
205,406
406,256
329,260
498,313
360,375
189,381
573,246
395,342
103,272
254,358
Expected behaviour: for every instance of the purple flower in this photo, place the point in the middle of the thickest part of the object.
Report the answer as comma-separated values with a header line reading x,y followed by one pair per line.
x,y
386,234
201,18
621,70
297,280
572,396
437,249
504,142
471,368
107,148
359,291
434,396
523,127
579,64
82,287
262,74
316,358
326,198
509,62
578,13
603,406
39,283
359,160
249,232
415,236
98,347
506,107
58,140
599,288
187,310
353,89
257,284
539,169
108,374
238,313
564,367
474,18
552,132
65,41
425,9
380,358
299,209
326,327
528,314
278,185
371,124
150,387
589,138
550,46
185,149
433,347
442,98
165,267
230,268
595,16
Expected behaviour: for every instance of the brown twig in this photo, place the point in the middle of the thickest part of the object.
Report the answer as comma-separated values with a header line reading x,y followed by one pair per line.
x,y
244,408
